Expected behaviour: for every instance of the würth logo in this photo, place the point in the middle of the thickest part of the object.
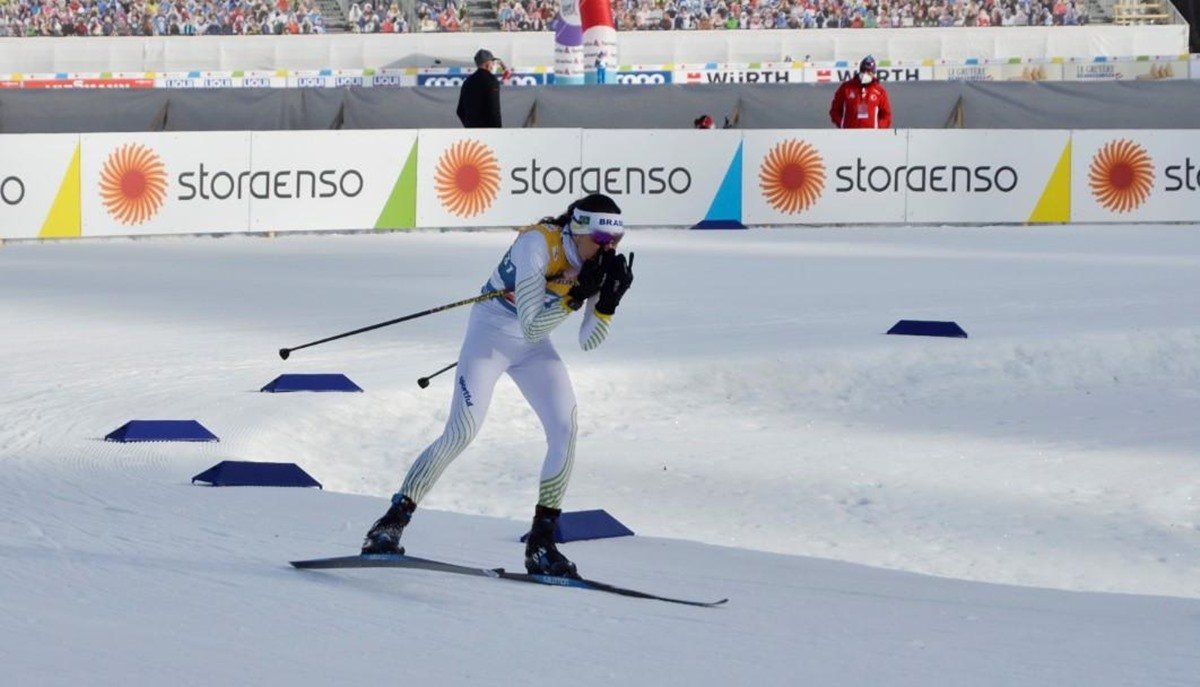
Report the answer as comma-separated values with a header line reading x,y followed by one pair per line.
x,y
133,184
467,178
792,176
1121,175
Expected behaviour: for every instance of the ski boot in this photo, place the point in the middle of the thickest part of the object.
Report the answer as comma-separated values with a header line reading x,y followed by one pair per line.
x,y
542,557
384,536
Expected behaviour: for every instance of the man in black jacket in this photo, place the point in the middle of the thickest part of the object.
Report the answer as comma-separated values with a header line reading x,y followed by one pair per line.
x,y
479,99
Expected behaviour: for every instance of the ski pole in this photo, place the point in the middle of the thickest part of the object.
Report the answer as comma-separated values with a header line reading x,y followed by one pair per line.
x,y
424,381
285,352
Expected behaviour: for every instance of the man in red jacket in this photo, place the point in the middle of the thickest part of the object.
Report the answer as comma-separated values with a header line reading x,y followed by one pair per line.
x,y
862,102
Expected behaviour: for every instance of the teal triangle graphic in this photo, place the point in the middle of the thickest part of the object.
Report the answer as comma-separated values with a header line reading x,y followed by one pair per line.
x,y
727,204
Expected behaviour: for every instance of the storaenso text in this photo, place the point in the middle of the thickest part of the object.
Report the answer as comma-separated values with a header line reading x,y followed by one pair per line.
x,y
283,183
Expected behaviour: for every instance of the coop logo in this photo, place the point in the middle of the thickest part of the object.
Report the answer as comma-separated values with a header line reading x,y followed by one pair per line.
x,y
12,190
792,176
646,77
533,79
467,178
1121,175
440,81
133,184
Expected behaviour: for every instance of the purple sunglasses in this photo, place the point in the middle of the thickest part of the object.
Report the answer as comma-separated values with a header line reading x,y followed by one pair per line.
x,y
604,238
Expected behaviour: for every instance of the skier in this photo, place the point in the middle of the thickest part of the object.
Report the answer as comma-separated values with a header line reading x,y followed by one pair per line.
x,y
554,267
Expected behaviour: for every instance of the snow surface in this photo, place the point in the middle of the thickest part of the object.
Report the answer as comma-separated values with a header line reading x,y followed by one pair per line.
x,y
1021,507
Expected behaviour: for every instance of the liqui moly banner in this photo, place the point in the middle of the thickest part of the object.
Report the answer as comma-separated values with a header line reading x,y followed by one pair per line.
x,y
39,186
599,39
568,44
1135,176
835,177
496,177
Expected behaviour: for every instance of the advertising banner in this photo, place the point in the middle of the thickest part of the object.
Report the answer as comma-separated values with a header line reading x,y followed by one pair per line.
x,y
662,177
828,177
310,78
177,183
307,180
496,177
225,79
599,40
998,70
92,81
1126,69
783,72
39,186
835,72
1135,176
389,78
956,175
568,43
640,75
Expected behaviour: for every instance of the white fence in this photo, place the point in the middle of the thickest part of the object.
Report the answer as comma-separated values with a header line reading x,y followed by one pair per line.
x,y
164,183
353,51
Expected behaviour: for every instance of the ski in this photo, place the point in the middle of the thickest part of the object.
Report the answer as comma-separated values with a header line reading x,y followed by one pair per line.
x,y
394,561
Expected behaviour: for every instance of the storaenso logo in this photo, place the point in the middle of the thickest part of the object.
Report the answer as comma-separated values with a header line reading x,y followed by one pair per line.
x,y
925,178
269,184
12,190
133,184
1121,175
646,181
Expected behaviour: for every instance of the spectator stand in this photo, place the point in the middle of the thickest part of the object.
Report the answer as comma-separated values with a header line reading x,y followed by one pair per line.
x,y
703,15
32,18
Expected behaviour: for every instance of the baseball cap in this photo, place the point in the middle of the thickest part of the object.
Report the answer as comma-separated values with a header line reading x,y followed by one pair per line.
x,y
483,56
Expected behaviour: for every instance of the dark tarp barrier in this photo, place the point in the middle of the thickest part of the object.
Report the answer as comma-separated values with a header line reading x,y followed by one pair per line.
x,y
927,104
1080,105
74,112
425,108
255,109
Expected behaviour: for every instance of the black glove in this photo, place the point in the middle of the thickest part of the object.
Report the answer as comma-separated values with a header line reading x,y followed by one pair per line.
x,y
591,277
617,278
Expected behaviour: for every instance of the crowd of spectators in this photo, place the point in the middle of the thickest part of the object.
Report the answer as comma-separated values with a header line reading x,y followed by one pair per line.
x,y
531,15
238,17
431,16
159,17
666,15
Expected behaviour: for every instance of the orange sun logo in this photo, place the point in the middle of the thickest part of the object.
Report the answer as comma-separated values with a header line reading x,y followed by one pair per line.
x,y
1121,175
467,178
133,184
792,176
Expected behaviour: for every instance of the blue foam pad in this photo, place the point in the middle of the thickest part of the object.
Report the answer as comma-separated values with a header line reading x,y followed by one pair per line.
x,y
233,473
587,524
928,328
719,224
161,430
311,382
